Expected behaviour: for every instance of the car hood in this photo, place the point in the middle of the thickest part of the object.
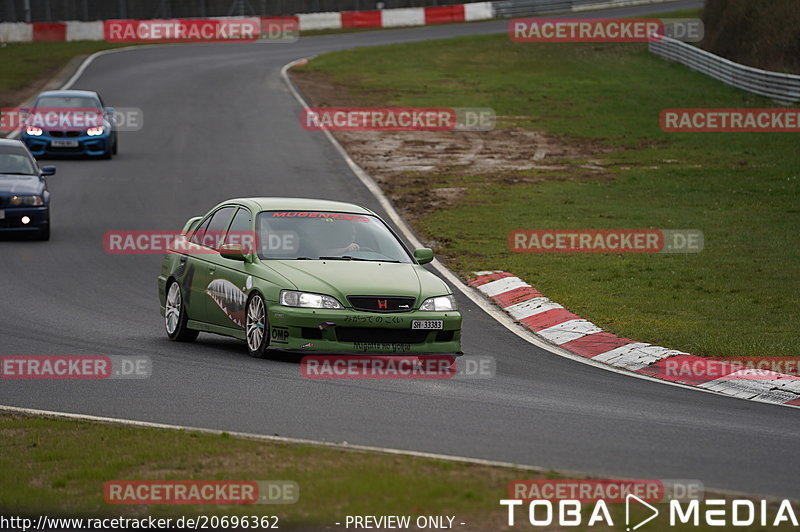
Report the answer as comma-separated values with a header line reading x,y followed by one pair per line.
x,y
11,185
351,278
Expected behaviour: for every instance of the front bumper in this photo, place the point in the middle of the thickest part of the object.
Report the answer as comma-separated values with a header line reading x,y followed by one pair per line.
x,y
91,146
12,219
362,332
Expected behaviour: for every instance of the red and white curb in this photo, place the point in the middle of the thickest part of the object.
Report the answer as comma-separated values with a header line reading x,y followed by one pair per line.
x,y
560,327
384,18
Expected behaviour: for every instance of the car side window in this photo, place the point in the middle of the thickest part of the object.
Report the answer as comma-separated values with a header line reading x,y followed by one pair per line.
x,y
240,232
197,235
213,234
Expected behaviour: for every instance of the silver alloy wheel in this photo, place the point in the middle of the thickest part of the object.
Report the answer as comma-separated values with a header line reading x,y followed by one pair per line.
x,y
172,312
255,323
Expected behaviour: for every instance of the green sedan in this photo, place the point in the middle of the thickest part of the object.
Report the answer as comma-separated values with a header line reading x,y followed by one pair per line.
x,y
305,275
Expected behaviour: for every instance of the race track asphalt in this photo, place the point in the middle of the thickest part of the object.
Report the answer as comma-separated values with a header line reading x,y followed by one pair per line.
x,y
220,123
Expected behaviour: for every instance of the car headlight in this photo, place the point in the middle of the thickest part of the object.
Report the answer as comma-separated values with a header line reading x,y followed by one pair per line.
x,y
33,131
292,298
95,131
441,303
26,200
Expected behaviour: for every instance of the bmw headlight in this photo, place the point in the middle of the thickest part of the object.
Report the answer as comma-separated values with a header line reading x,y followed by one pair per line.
x,y
441,303
29,201
95,131
292,298
33,131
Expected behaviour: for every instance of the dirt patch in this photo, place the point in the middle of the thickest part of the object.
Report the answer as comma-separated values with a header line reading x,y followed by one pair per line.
x,y
422,171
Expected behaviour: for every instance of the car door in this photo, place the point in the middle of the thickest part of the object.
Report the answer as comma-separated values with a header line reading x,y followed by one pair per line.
x,y
206,240
228,278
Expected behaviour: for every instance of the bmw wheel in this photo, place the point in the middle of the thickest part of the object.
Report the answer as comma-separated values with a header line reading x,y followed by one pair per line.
x,y
256,327
175,317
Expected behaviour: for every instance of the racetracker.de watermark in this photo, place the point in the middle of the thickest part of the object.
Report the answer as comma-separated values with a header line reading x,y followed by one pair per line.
x,y
397,367
148,242
228,30
606,241
608,490
44,119
730,120
398,119
630,30
37,367
736,368
201,492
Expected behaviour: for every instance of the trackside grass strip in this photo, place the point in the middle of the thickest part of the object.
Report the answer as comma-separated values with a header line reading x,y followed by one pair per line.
x,y
26,67
57,468
737,297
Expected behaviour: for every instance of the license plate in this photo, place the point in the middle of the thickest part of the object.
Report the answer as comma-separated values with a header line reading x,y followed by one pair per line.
x,y
2,215
64,143
429,325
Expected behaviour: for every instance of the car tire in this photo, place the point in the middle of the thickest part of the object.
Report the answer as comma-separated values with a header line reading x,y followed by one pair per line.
x,y
115,148
256,326
175,317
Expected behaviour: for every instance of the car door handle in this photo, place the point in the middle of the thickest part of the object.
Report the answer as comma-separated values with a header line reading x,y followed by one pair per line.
x,y
212,269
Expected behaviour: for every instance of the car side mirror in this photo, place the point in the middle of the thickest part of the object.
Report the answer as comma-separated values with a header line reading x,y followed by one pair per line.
x,y
110,110
423,255
232,252
48,170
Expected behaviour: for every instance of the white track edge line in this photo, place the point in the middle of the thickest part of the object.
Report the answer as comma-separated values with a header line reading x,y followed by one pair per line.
x,y
274,439
474,295
338,446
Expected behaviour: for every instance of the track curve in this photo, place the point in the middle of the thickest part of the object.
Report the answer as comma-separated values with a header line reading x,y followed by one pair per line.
x,y
220,123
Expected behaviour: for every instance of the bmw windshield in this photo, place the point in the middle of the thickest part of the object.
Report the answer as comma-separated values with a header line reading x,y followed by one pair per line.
x,y
67,102
314,235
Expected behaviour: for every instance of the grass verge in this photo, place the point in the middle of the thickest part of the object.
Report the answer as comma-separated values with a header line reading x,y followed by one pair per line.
x,y
58,467
27,67
740,189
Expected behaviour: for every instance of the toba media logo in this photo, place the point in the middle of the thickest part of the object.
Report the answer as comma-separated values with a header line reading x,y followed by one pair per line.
x,y
573,503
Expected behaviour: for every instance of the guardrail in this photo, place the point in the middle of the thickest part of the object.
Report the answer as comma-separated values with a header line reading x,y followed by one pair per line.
x,y
783,88
519,8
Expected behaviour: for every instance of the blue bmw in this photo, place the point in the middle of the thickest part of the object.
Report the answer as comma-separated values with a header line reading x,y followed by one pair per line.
x,y
24,199
70,122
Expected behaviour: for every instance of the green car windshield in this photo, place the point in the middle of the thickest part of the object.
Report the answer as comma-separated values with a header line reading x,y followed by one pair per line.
x,y
315,235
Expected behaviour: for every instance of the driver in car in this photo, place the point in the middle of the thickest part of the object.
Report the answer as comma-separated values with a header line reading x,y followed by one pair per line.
x,y
341,236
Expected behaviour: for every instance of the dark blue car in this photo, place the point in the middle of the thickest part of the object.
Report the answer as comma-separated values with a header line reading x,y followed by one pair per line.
x,y
24,199
70,122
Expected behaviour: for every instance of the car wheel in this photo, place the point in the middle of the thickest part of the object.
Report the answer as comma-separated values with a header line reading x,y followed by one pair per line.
x,y
257,327
115,148
175,317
